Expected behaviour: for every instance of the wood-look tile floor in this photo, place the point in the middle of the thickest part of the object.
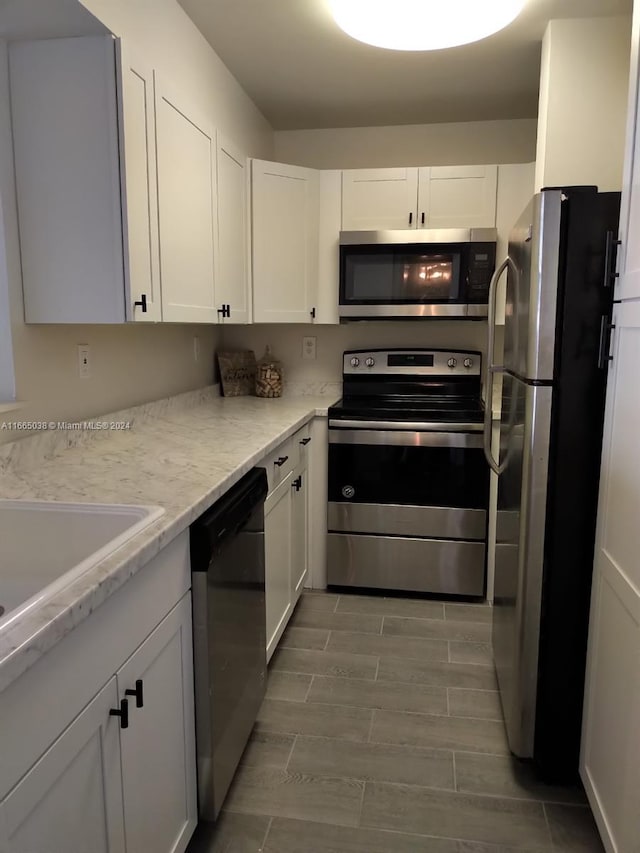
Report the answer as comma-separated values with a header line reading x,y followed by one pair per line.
x,y
382,733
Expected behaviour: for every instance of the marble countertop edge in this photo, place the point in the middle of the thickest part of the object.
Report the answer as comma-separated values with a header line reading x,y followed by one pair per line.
x,y
31,636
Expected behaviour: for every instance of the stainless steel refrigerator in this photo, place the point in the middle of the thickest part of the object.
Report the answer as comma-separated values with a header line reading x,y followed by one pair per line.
x,y
559,296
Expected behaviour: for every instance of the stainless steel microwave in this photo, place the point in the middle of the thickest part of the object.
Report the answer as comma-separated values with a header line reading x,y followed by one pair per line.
x,y
441,273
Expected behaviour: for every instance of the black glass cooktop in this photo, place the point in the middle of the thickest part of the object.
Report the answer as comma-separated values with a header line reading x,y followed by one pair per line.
x,y
423,408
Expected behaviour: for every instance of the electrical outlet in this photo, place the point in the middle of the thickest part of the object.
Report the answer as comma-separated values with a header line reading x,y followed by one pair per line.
x,y
196,348
309,348
84,361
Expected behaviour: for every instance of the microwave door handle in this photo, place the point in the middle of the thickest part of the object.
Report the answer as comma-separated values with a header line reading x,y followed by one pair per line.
x,y
492,368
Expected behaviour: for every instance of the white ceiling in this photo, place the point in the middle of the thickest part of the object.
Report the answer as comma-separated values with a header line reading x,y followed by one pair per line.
x,y
303,72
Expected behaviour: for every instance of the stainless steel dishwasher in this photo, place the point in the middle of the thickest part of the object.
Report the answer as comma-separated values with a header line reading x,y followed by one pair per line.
x,y
229,633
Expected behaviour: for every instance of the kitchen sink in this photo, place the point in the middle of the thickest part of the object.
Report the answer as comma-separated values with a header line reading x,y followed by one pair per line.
x,y
46,545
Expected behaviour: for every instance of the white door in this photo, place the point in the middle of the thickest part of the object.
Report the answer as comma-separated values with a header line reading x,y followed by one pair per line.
x,y
232,286
379,199
71,800
299,531
610,760
139,187
285,242
629,284
186,154
457,197
278,554
158,747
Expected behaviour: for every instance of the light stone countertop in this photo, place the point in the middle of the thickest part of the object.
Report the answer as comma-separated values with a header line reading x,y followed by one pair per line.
x,y
180,458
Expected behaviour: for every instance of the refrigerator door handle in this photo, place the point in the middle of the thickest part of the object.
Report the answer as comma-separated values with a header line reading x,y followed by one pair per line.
x,y
492,368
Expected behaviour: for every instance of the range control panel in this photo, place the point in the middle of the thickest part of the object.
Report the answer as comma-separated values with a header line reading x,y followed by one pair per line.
x,y
414,362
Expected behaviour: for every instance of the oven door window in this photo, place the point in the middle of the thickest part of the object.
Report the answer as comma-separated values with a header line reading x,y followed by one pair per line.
x,y
419,476
385,275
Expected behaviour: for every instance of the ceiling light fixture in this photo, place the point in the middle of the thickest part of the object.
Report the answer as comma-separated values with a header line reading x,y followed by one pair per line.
x,y
423,24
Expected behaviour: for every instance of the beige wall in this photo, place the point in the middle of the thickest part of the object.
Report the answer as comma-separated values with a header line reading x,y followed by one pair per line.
x,y
409,145
286,341
583,102
130,364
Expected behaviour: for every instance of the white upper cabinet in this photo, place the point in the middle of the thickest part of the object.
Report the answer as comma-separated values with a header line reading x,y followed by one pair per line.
x,y
379,199
285,242
426,197
65,131
232,283
330,219
186,152
118,208
457,197
138,187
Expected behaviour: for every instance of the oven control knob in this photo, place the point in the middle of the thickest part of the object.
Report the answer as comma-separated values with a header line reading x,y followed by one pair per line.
x,y
468,362
370,361
348,491
452,362
355,362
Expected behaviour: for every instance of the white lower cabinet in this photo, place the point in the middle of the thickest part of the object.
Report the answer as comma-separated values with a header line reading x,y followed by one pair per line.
x,y
299,532
119,782
278,551
99,756
72,799
158,747
286,531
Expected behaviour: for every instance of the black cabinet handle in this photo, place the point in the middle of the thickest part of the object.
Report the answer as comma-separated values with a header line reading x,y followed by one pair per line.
x,y
422,217
313,313
225,311
122,712
606,328
280,461
142,302
411,218
297,483
305,441
137,693
610,259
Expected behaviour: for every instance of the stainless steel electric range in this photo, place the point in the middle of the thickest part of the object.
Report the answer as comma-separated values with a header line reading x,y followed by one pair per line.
x,y
408,483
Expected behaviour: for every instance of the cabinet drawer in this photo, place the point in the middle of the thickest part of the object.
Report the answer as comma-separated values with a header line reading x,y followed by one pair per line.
x,y
281,462
302,440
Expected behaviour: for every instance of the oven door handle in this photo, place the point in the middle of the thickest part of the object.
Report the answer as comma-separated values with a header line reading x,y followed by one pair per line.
x,y
405,438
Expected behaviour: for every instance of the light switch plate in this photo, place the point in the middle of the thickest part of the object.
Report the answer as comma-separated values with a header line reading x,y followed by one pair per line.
x,y
84,361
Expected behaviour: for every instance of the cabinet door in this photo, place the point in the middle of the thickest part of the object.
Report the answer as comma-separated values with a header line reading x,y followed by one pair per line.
x,y
610,759
330,221
71,800
158,748
285,242
67,168
299,532
231,273
457,197
379,199
139,187
278,553
186,154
